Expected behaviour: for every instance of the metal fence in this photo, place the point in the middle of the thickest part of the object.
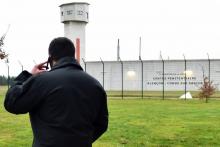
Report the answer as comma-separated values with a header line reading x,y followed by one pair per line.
x,y
154,78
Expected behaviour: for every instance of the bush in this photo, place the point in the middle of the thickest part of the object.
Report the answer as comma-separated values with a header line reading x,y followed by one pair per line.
x,y
207,89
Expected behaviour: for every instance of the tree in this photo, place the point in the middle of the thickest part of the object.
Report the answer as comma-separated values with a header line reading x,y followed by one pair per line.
x,y
2,52
5,80
207,89
3,55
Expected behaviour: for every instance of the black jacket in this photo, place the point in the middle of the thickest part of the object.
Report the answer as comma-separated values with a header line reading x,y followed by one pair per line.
x,y
67,107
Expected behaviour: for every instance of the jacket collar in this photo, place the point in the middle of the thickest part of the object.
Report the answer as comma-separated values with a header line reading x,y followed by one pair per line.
x,y
66,61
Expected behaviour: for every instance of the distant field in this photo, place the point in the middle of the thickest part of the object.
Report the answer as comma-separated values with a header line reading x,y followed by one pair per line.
x,y
136,123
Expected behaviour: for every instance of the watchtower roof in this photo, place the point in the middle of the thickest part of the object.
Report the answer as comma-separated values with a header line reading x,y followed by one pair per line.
x,y
66,4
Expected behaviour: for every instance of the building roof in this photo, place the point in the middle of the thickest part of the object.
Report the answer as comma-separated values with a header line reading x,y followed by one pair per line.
x,y
73,3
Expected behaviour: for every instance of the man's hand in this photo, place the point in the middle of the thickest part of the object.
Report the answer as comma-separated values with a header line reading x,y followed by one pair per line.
x,y
39,68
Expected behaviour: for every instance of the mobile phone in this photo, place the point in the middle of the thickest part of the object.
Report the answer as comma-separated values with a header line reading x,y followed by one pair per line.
x,y
48,63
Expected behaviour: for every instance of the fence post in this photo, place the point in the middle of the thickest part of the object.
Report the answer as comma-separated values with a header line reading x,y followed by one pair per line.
x,y
122,80
8,78
163,74
20,65
103,73
84,63
209,61
209,74
142,77
185,74
7,64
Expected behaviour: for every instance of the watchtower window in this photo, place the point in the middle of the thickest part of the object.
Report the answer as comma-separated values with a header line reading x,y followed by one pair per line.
x,y
69,12
87,15
62,13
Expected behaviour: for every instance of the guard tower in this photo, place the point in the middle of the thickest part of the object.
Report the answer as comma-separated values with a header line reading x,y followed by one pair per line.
x,y
75,16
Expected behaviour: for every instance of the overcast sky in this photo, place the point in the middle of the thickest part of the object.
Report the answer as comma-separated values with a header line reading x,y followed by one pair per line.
x,y
174,27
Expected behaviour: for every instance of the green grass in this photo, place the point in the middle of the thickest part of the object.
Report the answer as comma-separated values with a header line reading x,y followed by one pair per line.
x,y
136,123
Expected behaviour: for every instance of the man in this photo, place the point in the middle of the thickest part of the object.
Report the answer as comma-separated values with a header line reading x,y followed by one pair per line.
x,y
67,107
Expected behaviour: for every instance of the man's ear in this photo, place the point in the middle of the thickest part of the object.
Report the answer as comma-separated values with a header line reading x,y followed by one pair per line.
x,y
50,61
54,62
